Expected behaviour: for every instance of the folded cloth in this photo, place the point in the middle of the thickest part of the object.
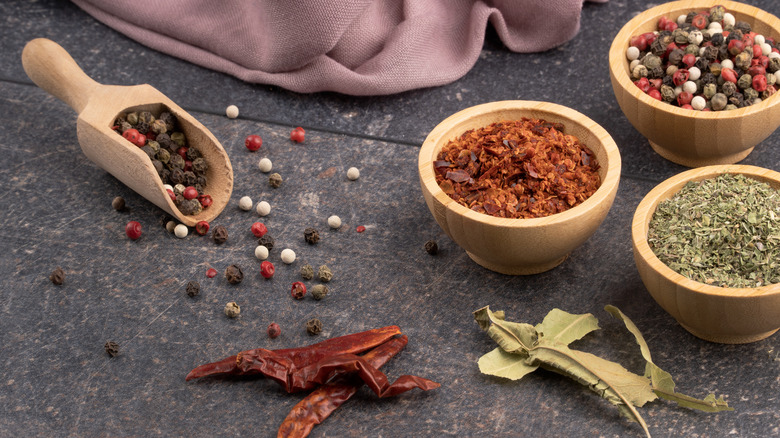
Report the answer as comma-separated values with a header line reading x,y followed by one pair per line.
x,y
355,47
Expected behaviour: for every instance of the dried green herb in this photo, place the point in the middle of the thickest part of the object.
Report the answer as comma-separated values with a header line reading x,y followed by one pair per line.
x,y
524,348
723,231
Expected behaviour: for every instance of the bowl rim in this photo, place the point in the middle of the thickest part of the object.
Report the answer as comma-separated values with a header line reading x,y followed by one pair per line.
x,y
617,56
608,184
646,208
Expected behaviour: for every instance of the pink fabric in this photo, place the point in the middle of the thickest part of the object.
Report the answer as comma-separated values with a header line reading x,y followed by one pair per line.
x,y
357,47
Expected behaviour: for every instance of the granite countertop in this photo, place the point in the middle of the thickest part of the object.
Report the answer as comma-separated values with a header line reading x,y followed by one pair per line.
x,y
57,380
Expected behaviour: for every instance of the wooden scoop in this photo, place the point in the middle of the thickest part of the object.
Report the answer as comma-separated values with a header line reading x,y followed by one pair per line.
x,y
54,70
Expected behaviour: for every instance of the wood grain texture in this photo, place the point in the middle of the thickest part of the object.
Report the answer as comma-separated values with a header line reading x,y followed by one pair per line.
x,y
688,137
54,70
520,246
717,314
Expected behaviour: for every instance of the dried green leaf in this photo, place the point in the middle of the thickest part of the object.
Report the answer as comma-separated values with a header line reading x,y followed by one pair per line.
x,y
502,364
512,337
661,381
565,328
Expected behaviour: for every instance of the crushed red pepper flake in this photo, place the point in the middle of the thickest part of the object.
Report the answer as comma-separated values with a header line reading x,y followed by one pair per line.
x,y
526,168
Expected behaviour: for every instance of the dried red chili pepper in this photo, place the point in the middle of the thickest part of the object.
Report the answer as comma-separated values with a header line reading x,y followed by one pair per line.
x,y
318,405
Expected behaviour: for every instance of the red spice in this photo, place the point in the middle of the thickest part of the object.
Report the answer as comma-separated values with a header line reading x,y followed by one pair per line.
x,y
253,142
298,135
274,330
190,193
259,229
211,273
133,230
298,290
267,269
205,200
202,227
134,137
360,228
517,169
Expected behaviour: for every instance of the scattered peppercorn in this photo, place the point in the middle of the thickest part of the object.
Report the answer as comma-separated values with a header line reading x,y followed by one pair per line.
x,y
324,274
202,228
266,241
274,330
314,326
231,111
181,231
334,222
220,234
275,180
118,203
112,348
263,208
307,273
288,256
259,229
298,135
234,274
265,165
193,289
261,252
133,230
211,273
360,228
319,291
57,276
311,235
431,247
267,269
232,310
245,203
298,290
353,173
253,142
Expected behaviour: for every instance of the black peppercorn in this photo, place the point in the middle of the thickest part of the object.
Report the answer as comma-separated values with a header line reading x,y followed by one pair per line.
x,y
189,178
220,234
311,236
177,175
118,203
234,274
112,348
57,276
314,326
193,289
431,247
199,165
266,241
307,272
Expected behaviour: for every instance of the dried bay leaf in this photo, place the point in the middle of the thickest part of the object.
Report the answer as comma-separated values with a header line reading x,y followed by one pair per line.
x,y
524,348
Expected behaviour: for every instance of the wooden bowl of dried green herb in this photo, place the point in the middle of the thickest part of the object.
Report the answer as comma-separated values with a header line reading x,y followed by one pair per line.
x,y
707,247
651,83
519,184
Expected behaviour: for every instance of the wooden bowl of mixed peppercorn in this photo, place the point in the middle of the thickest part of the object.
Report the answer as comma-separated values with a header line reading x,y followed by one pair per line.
x,y
706,244
698,96
519,184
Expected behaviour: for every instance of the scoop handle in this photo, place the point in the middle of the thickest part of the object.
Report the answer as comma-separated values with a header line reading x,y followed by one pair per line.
x,y
53,69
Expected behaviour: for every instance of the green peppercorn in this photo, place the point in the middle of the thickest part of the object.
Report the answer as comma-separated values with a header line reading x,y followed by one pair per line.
x,y
275,180
639,71
728,88
742,61
314,326
132,118
667,93
164,156
719,101
145,117
319,291
176,162
159,126
692,49
324,274
680,36
232,310
709,90
716,13
307,273
745,81
750,95
651,61
178,138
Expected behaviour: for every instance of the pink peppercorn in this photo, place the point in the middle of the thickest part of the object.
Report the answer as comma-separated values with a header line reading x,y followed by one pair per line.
x,y
202,227
298,135
681,76
298,290
267,269
211,273
759,83
190,193
729,75
253,142
274,330
684,98
689,59
643,84
654,93
133,230
259,229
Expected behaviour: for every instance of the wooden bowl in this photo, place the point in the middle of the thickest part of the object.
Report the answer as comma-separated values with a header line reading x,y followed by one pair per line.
x,y
717,314
520,246
689,137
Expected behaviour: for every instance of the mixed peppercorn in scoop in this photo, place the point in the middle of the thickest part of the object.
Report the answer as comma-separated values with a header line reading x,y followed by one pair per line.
x,y
706,61
181,166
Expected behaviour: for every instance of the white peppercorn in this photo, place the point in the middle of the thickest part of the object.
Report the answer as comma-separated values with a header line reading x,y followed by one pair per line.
x,y
181,231
698,103
288,255
261,252
263,208
245,203
231,111
632,53
353,173
334,222
265,165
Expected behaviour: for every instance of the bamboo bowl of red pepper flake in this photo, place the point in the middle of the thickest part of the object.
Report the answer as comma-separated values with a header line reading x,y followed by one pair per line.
x,y
685,136
727,315
520,246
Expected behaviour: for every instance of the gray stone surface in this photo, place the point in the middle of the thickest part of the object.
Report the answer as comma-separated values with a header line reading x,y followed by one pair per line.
x,y
56,379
